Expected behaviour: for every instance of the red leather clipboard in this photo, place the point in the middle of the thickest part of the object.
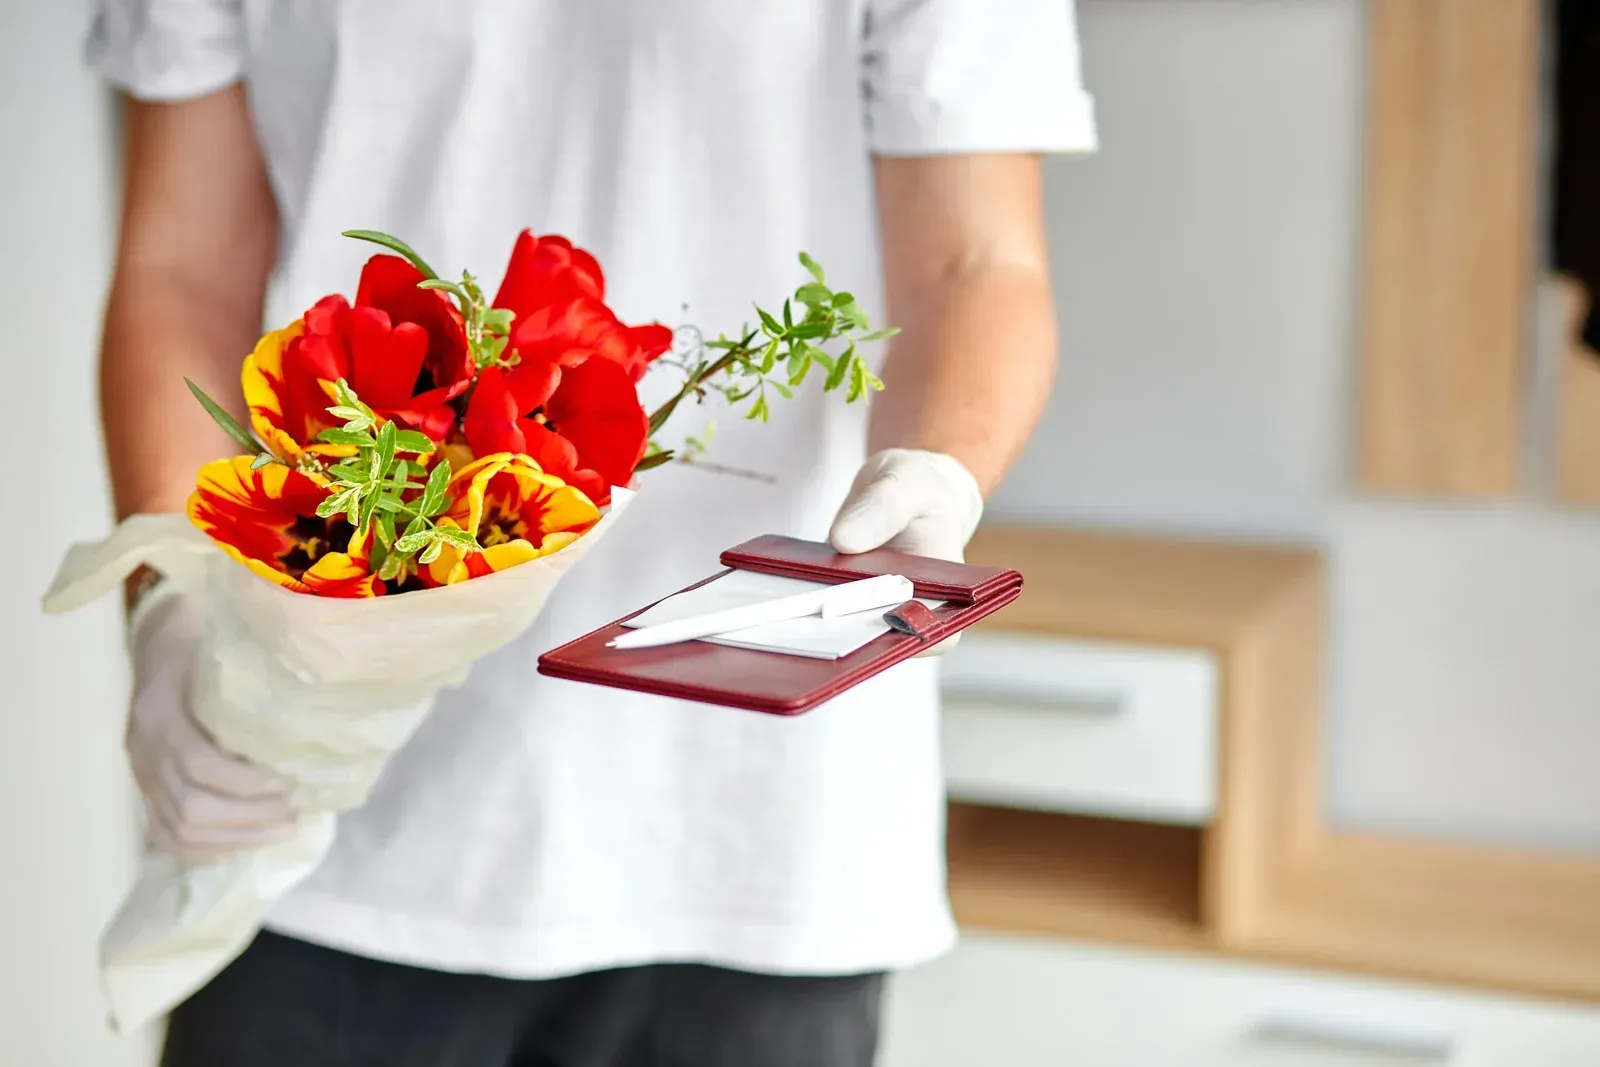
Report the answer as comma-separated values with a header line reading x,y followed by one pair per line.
x,y
780,684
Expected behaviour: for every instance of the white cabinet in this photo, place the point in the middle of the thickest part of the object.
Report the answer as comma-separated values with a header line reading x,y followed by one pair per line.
x,y
1020,1002
1064,724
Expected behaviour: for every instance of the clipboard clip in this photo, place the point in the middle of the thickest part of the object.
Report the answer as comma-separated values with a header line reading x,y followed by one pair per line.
x,y
913,618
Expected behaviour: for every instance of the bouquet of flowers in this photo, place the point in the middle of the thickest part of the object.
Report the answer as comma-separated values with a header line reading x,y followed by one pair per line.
x,y
420,468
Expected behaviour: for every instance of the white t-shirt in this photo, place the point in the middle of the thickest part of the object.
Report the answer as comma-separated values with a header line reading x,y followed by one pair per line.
x,y
535,827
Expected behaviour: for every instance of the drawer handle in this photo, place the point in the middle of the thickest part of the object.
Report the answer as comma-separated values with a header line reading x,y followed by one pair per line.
x,y
1036,698
1424,1045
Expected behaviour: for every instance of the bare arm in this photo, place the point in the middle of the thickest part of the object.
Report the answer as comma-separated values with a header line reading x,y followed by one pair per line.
x,y
968,282
198,240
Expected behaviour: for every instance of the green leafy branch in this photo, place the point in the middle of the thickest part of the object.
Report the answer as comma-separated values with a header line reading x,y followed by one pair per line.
x,y
382,492
777,357
488,328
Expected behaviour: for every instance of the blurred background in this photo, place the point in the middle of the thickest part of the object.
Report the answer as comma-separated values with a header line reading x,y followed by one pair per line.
x,y
1288,756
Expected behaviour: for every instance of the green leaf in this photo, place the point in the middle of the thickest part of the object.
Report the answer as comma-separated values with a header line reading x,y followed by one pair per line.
x,y
349,472
386,533
341,411
783,390
854,314
369,508
841,299
392,567
378,553
385,449
230,425
653,460
346,437
414,442
799,366
858,382
811,331
263,460
337,504
433,495
498,319
431,553
663,413
788,315
758,410
410,541
455,535
819,356
393,244
874,382
812,267
769,358
841,367
814,293
879,335
450,287
769,322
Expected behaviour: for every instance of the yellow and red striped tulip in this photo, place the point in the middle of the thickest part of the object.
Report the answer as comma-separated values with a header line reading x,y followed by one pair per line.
x,y
267,520
515,510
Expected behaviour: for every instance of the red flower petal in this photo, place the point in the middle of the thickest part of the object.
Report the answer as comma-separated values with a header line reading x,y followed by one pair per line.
x,y
597,409
491,420
547,270
566,333
389,283
385,362
554,453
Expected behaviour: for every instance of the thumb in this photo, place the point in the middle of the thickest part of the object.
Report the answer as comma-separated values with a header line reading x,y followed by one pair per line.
x,y
872,515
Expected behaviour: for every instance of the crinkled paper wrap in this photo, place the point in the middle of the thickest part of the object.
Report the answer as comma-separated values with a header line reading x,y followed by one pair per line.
x,y
320,690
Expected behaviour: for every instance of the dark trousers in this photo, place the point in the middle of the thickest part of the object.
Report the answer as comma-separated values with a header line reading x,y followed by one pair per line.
x,y
286,1003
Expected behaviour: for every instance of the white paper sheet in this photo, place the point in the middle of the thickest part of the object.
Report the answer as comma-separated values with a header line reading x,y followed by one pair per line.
x,y
813,637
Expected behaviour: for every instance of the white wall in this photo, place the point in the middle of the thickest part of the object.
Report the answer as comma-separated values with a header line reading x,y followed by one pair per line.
x,y
67,827
1207,271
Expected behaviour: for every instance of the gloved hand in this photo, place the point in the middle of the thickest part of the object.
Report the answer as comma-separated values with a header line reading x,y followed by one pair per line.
x,y
914,501
202,804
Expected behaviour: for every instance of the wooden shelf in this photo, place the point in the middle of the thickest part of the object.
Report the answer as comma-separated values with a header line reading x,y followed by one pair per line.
x,y
1075,876
1266,877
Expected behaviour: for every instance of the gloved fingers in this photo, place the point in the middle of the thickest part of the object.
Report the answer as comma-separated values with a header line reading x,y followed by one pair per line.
x,y
194,843
181,804
927,535
205,767
873,514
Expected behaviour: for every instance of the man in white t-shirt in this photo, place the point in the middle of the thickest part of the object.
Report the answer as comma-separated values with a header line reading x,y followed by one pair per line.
x,y
551,873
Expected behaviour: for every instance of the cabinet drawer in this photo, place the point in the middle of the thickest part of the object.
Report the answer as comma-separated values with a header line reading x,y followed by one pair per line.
x,y
1063,724
1035,1003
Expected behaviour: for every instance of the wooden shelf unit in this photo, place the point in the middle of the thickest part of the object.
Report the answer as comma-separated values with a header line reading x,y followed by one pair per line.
x,y
1265,877
1077,876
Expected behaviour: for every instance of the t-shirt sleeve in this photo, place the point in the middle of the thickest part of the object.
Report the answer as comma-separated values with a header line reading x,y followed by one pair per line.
x,y
167,49
952,76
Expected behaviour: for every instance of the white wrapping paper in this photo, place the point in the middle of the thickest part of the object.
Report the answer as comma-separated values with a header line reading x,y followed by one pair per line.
x,y
321,690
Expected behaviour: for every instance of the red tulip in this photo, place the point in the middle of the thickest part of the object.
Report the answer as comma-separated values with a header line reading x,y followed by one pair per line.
x,y
557,294
582,424
389,284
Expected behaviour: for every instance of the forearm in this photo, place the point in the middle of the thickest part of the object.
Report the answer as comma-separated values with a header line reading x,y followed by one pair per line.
x,y
198,238
971,371
158,331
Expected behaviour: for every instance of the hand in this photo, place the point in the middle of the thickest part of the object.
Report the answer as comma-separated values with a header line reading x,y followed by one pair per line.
x,y
202,804
914,501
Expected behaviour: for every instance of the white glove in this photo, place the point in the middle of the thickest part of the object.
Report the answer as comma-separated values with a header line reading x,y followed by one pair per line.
x,y
202,804
914,501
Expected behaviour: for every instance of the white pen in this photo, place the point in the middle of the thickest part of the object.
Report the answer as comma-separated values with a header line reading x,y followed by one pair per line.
x,y
884,591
